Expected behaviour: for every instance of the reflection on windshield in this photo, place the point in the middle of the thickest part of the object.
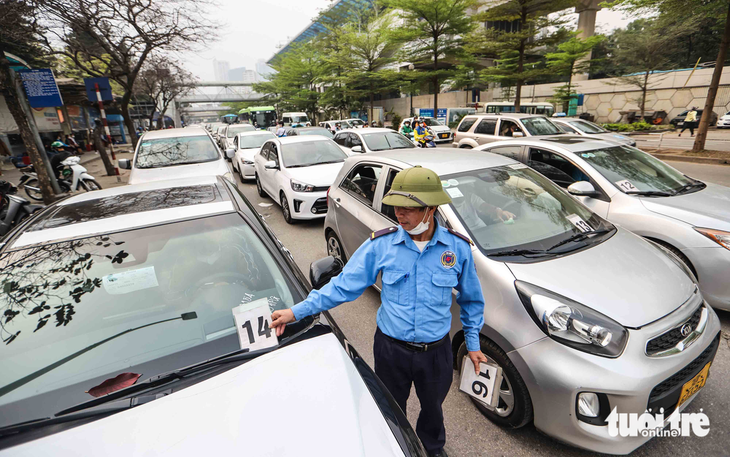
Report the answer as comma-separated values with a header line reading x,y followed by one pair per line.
x,y
540,126
236,129
311,153
164,152
254,141
60,298
541,210
386,140
588,127
321,132
642,171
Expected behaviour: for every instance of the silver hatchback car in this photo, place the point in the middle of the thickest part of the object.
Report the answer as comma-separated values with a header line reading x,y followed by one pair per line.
x,y
581,315
643,194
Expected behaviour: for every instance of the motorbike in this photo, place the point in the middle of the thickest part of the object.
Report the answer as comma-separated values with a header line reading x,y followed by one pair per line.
x,y
427,141
71,177
13,209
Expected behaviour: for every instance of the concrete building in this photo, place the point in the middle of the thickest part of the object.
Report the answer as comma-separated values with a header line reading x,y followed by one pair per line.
x,y
220,70
263,69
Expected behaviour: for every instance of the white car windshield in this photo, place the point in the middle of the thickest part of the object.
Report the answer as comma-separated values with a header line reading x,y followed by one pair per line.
x,y
355,122
236,129
587,127
316,131
430,121
254,140
382,141
309,153
165,152
543,213
299,119
79,312
540,126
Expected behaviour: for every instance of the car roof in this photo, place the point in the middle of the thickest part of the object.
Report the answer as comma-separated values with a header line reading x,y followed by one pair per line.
x,y
172,133
255,132
514,115
443,161
566,142
127,207
301,139
316,127
368,130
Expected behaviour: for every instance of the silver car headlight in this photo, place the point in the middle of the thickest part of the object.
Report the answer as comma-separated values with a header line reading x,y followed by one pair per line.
x,y
301,187
718,236
571,323
247,162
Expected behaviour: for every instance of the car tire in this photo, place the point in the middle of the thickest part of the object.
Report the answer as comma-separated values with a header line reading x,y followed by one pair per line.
x,y
334,245
520,412
33,182
261,191
90,185
465,146
286,209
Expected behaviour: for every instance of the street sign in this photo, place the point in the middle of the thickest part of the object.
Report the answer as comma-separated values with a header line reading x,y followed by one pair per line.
x,y
104,87
425,112
41,88
441,115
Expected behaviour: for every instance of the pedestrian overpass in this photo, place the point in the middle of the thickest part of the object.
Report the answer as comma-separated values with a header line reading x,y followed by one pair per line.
x,y
223,92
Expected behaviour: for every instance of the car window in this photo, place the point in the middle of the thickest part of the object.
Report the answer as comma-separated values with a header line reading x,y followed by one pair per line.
x,y
506,127
587,127
387,210
234,130
486,127
317,131
311,153
164,152
265,151
254,141
566,128
513,152
286,120
540,126
361,182
274,154
561,171
466,124
543,214
354,140
381,141
341,139
644,172
155,298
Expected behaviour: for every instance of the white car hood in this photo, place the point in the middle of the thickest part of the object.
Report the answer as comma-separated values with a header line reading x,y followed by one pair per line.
x,y
707,208
307,399
316,175
624,278
142,175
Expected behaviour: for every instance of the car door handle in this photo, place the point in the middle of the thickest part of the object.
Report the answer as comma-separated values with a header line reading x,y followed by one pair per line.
x,y
337,200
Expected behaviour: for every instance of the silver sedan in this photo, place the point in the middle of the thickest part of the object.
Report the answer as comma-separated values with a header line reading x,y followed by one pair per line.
x,y
581,315
642,194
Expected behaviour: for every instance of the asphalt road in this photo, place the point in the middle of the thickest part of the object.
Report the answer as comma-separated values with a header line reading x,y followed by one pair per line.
x,y
717,140
468,432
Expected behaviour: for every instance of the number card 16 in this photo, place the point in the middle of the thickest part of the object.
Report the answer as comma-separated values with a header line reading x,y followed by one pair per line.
x,y
481,386
253,323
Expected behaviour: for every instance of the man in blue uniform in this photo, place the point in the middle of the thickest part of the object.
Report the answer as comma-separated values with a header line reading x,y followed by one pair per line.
x,y
420,262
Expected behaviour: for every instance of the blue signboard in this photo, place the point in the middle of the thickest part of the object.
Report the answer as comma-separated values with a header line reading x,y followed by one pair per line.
x,y
441,114
41,88
104,87
425,112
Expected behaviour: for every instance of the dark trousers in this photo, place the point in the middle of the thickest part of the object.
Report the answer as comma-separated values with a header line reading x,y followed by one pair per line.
x,y
431,371
688,125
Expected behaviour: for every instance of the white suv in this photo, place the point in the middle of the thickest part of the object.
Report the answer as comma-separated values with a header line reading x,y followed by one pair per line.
x,y
481,129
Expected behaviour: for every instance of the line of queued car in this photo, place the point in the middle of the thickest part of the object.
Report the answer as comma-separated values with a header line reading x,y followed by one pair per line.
x,y
594,253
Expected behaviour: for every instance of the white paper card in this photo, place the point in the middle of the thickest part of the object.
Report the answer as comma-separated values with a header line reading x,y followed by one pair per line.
x,y
481,386
579,223
454,192
626,186
130,281
253,323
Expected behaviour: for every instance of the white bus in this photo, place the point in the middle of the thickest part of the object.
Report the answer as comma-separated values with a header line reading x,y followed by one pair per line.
x,y
543,108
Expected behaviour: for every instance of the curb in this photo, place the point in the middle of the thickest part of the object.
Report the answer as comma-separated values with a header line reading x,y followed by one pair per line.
x,y
705,160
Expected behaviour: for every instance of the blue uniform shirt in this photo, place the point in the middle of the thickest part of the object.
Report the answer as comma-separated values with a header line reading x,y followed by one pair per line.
x,y
416,292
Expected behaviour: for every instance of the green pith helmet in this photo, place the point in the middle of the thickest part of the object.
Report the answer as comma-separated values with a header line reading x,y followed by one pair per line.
x,y
416,187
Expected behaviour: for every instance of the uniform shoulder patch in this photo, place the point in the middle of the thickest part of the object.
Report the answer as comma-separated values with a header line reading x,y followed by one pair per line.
x,y
382,232
463,237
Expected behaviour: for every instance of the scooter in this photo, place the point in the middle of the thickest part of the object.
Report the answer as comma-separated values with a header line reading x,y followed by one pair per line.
x,y
71,177
13,209
426,141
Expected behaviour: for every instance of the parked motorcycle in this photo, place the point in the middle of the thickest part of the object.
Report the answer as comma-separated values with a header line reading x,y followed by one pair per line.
x,y
13,209
72,176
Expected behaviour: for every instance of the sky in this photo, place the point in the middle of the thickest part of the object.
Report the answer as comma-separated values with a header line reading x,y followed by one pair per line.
x,y
252,29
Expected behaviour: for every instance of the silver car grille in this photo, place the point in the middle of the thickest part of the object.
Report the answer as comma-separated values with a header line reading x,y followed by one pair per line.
x,y
680,337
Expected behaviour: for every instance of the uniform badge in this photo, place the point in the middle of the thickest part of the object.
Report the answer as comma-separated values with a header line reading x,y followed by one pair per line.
x,y
448,259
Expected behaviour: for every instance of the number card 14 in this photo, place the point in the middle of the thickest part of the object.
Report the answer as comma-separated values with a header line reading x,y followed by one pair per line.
x,y
253,323
482,386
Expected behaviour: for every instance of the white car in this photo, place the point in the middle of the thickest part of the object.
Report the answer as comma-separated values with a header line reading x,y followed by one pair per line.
x,y
230,131
296,172
586,128
176,153
295,119
724,121
355,122
442,132
247,144
371,140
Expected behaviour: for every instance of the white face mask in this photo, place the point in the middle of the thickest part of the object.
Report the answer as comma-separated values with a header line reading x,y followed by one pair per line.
x,y
421,227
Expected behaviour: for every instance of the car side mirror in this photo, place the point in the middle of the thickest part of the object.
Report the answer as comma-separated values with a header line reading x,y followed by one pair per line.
x,y
230,153
582,189
125,164
517,134
323,270
356,149
270,165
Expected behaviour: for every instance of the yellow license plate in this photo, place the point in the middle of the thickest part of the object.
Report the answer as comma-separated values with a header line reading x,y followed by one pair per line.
x,y
444,135
694,385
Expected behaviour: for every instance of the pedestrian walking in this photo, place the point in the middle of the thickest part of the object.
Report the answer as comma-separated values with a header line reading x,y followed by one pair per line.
x,y
420,263
690,122
281,131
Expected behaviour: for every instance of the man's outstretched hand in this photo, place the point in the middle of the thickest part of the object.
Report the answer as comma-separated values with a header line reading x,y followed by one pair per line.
x,y
280,318
476,357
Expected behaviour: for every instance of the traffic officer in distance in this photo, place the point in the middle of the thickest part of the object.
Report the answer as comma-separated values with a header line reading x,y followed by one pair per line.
x,y
421,262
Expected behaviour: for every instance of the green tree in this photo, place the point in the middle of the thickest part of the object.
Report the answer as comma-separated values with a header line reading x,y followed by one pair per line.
x,y
432,34
527,27
569,61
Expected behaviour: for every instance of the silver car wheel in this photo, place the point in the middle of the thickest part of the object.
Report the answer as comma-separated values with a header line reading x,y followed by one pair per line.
x,y
333,247
506,398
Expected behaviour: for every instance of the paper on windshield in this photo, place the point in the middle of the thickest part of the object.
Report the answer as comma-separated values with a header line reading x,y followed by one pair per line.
x,y
130,281
253,324
454,192
626,185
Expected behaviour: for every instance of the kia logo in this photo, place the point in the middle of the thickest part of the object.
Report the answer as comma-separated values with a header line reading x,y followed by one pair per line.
x,y
685,330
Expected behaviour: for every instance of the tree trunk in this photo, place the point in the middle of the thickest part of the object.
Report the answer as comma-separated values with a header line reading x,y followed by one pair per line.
x,y
128,119
108,165
712,92
436,86
520,64
7,87
372,101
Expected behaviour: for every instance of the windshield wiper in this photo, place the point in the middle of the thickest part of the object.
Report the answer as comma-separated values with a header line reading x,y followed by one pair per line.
x,y
693,185
516,252
577,237
649,193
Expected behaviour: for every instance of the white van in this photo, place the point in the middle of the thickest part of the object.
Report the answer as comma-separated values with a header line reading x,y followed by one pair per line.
x,y
290,119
